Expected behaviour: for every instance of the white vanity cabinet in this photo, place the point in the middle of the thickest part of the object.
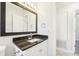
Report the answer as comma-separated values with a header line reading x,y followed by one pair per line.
x,y
38,50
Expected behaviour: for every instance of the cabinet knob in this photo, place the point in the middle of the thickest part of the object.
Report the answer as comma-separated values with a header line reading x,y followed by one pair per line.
x,y
17,52
40,50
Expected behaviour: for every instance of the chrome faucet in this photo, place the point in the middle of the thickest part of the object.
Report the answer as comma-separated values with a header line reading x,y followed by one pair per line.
x,y
30,36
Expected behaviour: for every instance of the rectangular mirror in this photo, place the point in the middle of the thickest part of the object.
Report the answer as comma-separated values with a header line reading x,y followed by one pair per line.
x,y
17,19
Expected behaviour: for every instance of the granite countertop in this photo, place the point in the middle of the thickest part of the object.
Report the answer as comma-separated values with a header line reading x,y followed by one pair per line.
x,y
23,44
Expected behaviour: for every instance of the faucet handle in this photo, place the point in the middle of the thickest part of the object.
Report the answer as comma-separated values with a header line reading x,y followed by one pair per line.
x,y
31,33
30,36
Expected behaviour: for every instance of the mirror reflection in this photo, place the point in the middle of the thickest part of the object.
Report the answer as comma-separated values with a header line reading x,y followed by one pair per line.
x,y
19,19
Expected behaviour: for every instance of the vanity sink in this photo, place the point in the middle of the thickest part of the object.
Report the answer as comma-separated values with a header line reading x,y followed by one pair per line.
x,y
34,40
29,41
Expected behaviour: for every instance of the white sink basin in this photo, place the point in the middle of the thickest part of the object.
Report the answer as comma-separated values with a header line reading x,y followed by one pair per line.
x,y
33,40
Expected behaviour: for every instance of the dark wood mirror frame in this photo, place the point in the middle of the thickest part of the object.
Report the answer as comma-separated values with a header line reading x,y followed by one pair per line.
x,y
3,18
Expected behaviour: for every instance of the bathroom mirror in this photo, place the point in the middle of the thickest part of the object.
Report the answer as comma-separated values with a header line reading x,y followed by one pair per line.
x,y
17,19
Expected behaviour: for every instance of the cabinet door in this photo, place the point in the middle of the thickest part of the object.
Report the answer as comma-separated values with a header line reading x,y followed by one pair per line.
x,y
43,48
31,22
38,50
33,51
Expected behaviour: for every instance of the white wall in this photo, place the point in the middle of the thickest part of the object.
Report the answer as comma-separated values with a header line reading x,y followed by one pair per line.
x,y
61,24
42,18
52,30
47,16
